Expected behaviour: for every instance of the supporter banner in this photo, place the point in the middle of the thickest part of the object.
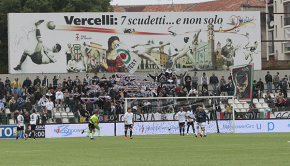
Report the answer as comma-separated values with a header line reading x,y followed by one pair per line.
x,y
8,131
120,42
75,130
39,131
243,81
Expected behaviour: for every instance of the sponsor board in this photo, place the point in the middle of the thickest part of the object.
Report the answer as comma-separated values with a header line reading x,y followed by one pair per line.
x,y
39,131
125,42
8,131
75,130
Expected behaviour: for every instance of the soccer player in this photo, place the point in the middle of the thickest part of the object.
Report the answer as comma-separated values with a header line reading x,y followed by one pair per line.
x,y
201,117
41,54
20,125
93,124
33,119
181,115
129,121
189,117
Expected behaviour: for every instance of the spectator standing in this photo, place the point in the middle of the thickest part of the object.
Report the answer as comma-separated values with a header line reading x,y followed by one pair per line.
x,y
284,86
7,82
187,82
45,81
260,87
49,107
204,81
230,88
59,99
44,117
26,83
54,81
222,85
36,80
195,80
276,81
213,80
269,80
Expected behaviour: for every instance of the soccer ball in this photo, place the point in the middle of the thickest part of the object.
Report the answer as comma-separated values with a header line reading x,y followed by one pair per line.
x,y
50,25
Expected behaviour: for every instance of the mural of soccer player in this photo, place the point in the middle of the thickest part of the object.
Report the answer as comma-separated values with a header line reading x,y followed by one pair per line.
x,y
85,50
147,49
68,52
71,65
114,62
188,50
228,53
41,53
252,51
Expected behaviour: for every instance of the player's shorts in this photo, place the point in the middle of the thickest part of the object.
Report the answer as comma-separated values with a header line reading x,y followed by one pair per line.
x,y
91,126
190,123
33,127
201,124
181,124
128,126
20,128
36,57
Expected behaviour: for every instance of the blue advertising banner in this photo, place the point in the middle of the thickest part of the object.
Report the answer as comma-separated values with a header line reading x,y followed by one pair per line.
x,y
8,131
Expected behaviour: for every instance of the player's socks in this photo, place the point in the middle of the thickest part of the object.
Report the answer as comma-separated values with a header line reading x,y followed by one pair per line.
x,y
33,135
125,133
179,131
130,133
197,130
187,129
93,132
16,137
99,132
183,131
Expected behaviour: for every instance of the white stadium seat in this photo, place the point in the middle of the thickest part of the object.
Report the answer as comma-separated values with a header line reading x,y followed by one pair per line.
x,y
240,106
67,109
70,115
246,105
7,111
65,120
255,101
261,101
63,114
261,110
57,115
265,105
11,121
230,101
258,105
243,110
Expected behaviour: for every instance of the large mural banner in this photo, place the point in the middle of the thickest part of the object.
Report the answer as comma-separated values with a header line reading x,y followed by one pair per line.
x,y
129,42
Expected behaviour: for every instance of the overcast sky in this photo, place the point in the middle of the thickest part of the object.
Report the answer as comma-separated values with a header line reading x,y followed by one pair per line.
x,y
147,2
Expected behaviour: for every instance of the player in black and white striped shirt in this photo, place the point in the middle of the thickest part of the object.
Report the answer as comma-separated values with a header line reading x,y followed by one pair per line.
x,y
33,120
20,125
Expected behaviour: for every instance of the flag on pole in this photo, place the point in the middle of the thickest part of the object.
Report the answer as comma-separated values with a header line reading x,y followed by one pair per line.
x,y
243,80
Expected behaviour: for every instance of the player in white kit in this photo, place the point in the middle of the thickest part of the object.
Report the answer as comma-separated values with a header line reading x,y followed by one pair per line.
x,y
190,121
33,119
181,116
129,121
20,125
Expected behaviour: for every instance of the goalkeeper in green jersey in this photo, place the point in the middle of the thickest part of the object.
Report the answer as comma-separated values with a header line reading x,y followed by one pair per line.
x,y
93,124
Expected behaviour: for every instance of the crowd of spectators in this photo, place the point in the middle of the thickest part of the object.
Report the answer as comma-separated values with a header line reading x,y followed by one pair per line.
x,y
82,96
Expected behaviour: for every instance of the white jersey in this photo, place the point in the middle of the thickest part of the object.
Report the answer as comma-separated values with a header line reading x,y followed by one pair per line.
x,y
20,120
128,117
189,114
49,105
181,116
33,119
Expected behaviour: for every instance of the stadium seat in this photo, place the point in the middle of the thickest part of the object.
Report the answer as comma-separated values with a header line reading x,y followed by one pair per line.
x,y
237,101
255,101
261,101
70,115
246,105
230,101
67,109
265,105
272,95
63,115
57,115
223,110
261,110
264,95
240,106
237,110
234,106
11,122
243,110
7,111
222,106
65,120
258,105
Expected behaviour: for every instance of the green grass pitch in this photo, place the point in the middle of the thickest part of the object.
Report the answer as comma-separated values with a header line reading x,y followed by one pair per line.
x,y
269,149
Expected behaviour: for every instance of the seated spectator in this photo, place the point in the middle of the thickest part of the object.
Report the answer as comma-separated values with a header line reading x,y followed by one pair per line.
x,y
268,99
20,103
278,100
